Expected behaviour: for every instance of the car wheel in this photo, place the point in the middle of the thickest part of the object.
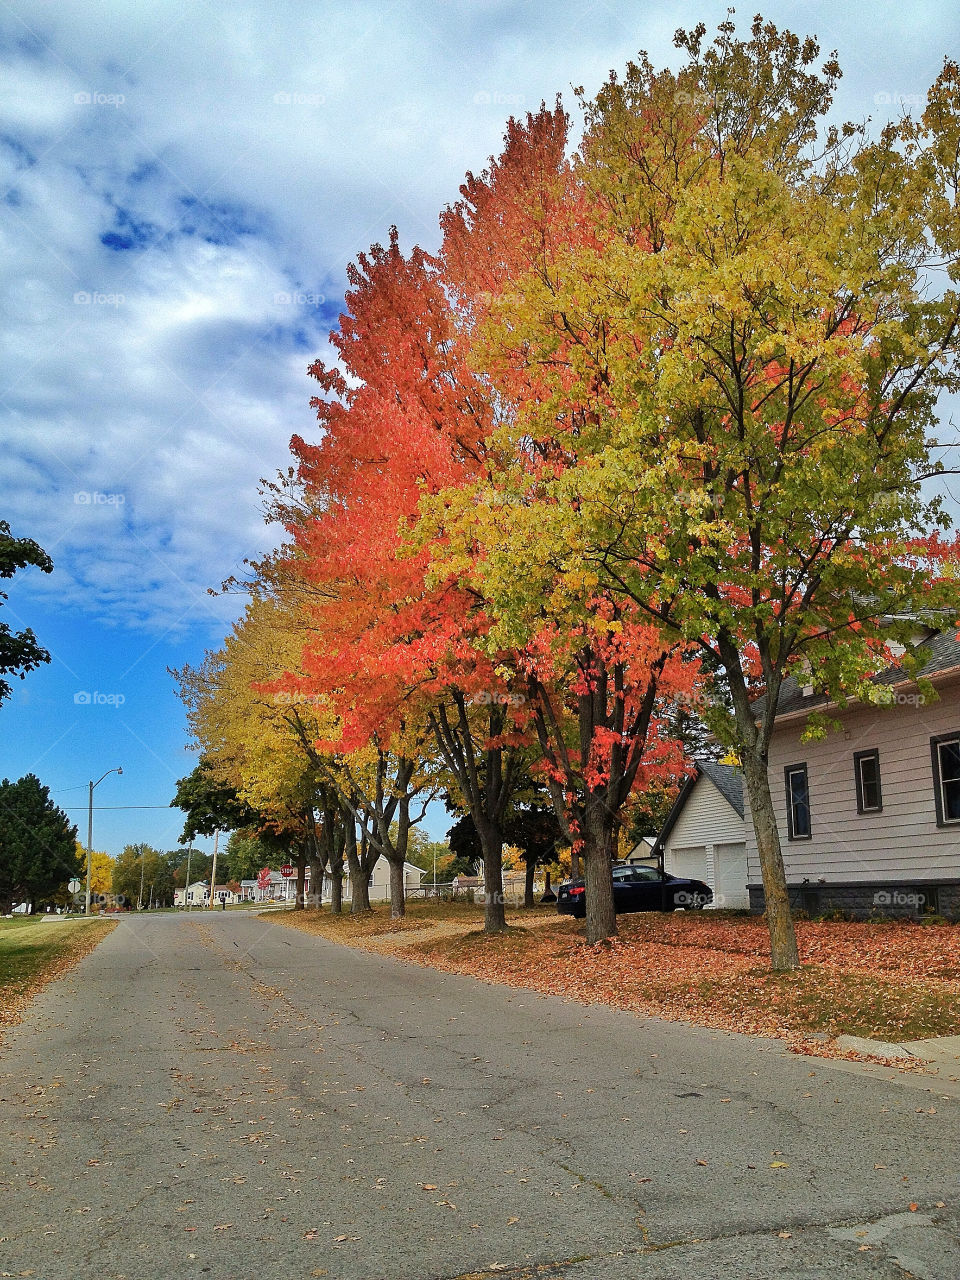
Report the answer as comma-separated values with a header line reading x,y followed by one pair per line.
x,y
697,902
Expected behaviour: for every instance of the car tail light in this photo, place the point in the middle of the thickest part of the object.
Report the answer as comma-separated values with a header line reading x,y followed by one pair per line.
x,y
574,892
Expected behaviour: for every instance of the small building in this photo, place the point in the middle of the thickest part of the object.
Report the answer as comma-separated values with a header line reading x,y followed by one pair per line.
x,y
704,836
195,895
643,853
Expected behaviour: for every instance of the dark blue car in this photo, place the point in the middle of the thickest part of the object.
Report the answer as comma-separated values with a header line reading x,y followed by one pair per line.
x,y
638,888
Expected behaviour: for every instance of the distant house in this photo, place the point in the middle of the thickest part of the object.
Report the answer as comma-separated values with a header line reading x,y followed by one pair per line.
x,y
196,894
704,835
869,817
284,889
643,852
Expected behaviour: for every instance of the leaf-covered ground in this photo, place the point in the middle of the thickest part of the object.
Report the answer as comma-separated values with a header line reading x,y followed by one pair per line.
x,y
890,981
34,952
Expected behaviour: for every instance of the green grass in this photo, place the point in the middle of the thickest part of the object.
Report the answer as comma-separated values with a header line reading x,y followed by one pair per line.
x,y
32,951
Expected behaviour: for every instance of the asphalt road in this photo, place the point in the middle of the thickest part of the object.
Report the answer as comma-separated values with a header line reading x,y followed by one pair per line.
x,y
222,1097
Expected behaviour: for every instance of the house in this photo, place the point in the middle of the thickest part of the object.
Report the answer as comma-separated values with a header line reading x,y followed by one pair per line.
x,y
704,836
643,853
196,894
869,817
284,889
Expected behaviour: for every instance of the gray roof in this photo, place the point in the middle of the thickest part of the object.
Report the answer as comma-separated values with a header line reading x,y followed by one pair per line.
x,y
943,650
725,777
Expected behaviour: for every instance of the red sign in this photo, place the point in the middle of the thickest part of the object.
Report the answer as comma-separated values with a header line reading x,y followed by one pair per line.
x,y
288,872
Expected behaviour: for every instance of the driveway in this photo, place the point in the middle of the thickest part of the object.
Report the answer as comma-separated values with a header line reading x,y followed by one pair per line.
x,y
214,1096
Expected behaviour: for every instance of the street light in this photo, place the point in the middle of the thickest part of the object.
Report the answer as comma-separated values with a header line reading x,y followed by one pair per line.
x,y
86,910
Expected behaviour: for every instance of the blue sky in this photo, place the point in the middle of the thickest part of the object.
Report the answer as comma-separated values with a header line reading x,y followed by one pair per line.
x,y
183,187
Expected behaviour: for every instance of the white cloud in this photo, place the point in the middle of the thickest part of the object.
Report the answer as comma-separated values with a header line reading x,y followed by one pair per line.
x,y
176,172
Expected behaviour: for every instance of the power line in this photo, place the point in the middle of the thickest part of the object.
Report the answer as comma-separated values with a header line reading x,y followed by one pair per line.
x,y
97,807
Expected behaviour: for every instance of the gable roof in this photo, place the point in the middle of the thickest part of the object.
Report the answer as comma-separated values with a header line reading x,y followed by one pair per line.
x,y
727,779
944,656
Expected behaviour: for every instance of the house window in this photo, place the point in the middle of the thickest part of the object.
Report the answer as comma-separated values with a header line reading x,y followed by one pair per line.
x,y
866,769
798,802
945,751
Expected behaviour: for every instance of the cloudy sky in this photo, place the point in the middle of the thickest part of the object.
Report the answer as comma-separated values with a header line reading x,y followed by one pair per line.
x,y
183,186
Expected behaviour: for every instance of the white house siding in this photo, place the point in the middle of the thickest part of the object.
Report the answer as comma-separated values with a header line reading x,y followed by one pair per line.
x,y
708,831
380,881
900,843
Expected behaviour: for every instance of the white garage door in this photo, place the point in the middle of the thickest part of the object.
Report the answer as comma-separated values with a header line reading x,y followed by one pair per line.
x,y
691,863
730,876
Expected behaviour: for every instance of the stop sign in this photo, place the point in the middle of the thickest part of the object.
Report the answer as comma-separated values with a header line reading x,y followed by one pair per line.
x,y
288,872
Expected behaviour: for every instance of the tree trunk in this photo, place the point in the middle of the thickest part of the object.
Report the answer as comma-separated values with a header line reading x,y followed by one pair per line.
x,y
598,871
529,877
398,892
359,875
301,880
336,889
784,955
494,904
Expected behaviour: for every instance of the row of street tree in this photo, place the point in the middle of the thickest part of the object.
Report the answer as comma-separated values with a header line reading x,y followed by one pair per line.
x,y
653,429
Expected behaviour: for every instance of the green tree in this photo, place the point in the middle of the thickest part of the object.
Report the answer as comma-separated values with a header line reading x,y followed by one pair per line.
x,y
38,844
19,650
141,872
210,804
247,853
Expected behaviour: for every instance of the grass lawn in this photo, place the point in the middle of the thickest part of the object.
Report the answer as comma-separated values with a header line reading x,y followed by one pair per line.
x,y
889,981
33,952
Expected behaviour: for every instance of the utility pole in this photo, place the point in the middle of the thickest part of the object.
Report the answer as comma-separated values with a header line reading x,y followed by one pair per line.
x,y
143,858
186,887
213,873
86,909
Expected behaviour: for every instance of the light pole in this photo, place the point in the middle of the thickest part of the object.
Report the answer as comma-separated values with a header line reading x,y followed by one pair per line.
x,y
213,873
186,887
86,910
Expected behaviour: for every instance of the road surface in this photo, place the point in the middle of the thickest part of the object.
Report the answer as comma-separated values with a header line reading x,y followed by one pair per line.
x,y
218,1096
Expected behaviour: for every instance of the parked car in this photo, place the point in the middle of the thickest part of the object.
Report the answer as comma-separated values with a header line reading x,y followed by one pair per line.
x,y
638,888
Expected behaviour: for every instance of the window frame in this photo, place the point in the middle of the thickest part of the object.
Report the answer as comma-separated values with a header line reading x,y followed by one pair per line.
x,y
872,754
935,744
788,772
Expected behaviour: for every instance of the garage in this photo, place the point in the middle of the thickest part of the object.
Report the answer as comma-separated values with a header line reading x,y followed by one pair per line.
x,y
704,836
